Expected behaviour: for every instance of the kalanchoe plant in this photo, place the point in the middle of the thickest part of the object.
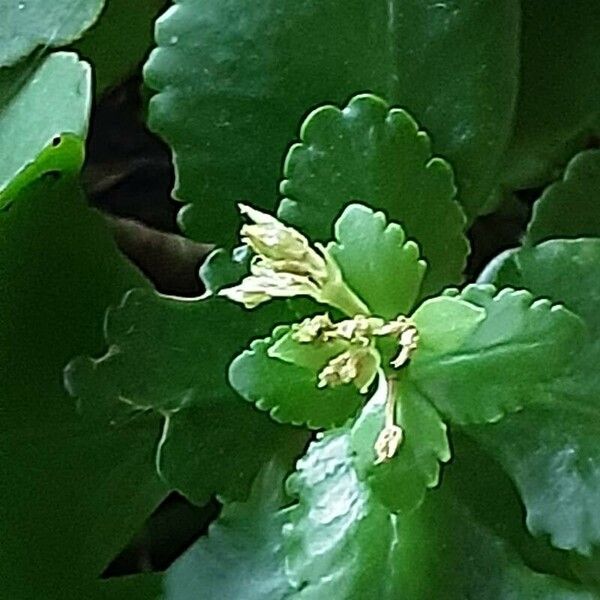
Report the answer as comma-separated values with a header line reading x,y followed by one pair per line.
x,y
350,409
356,334
423,360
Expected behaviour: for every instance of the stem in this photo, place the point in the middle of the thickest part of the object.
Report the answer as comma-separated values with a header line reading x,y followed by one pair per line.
x,y
342,297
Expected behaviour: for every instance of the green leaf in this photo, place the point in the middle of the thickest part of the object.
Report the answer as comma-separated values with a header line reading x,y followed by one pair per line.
x,y
444,324
75,489
557,111
565,271
371,153
235,84
44,111
401,482
377,261
571,207
120,39
27,24
511,358
551,450
342,544
242,556
289,391
163,356
473,519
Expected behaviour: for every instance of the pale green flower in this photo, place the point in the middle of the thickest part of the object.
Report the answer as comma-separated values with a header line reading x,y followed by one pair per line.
x,y
286,265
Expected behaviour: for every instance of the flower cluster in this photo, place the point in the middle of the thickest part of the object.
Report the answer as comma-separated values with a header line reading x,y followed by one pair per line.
x,y
286,265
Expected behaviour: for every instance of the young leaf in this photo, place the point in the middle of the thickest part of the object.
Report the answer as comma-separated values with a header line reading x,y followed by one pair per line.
x,y
370,153
27,24
511,358
401,482
377,261
340,542
569,208
242,556
260,74
76,489
162,356
288,390
44,111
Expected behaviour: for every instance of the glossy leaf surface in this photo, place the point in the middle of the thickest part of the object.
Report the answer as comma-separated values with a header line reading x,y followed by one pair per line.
x,y
551,450
163,357
569,208
27,24
289,390
511,358
372,154
242,557
401,482
44,109
377,261
342,544
235,84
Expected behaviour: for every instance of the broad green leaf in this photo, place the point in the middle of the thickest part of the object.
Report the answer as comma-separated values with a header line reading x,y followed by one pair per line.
x,y
342,544
565,271
377,261
551,450
370,153
74,491
401,482
242,556
289,391
44,109
120,40
465,540
220,446
557,111
571,207
510,359
171,356
28,24
235,84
